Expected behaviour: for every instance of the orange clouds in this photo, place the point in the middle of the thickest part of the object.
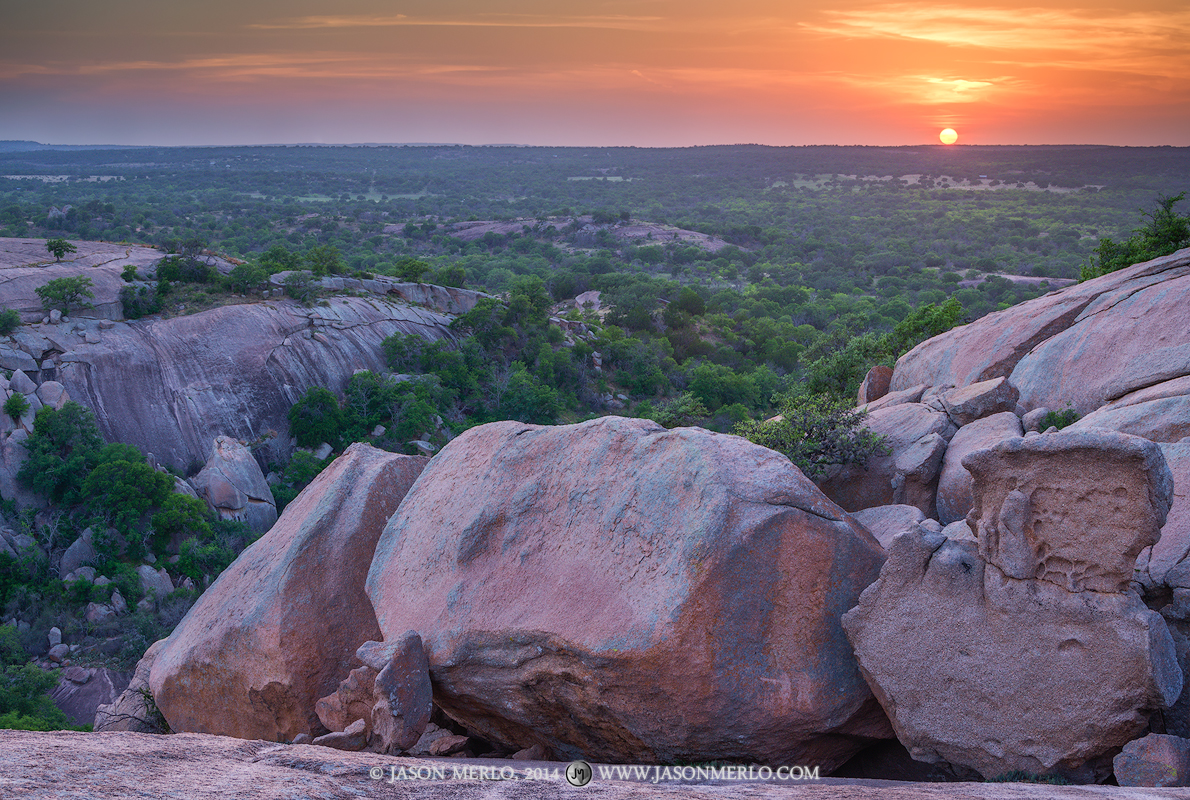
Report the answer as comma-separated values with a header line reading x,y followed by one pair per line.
x,y
658,71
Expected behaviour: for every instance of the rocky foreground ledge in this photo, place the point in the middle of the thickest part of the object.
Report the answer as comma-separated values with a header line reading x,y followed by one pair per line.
x,y
191,766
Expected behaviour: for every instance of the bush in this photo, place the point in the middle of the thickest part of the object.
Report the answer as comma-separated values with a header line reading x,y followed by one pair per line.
x,y
316,418
65,293
10,320
1166,232
63,449
16,406
815,432
300,286
1058,419
126,491
245,277
129,273
181,517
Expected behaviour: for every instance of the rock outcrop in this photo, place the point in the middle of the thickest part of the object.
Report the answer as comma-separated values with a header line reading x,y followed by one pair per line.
x,y
1085,345
916,436
1155,760
954,484
132,711
280,627
170,386
676,597
234,487
81,691
1026,651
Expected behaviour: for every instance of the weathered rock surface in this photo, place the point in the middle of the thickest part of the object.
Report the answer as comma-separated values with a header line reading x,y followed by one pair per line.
x,y
155,582
404,697
954,484
916,436
234,486
116,766
677,597
131,710
1155,760
1048,664
26,266
234,370
280,627
1086,344
81,691
1031,495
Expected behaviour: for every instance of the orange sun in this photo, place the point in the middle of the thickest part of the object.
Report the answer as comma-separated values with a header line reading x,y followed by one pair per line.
x,y
948,136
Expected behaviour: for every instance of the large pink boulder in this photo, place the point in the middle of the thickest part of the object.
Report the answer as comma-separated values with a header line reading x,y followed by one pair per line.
x,y
1085,344
279,629
622,592
1154,565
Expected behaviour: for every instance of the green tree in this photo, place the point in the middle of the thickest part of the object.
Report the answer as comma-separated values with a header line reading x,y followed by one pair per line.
x,y
16,406
181,517
59,247
64,293
10,320
325,259
126,491
1166,232
410,269
815,432
63,449
300,285
316,418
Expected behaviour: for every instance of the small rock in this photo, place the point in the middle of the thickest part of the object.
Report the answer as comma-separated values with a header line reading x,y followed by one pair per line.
x,y
59,652
20,382
354,737
144,604
378,431
55,637
103,580
1031,421
76,675
535,753
55,316
302,738
1154,760
92,337
447,745
99,612
323,450
119,604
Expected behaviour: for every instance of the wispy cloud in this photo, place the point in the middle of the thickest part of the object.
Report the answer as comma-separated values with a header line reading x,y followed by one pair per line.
x,y
612,21
1012,28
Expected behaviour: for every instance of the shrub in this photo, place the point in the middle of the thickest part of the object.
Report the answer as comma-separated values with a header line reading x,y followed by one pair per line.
x,y
316,418
129,273
1166,232
245,277
815,432
16,406
63,449
65,293
126,491
10,320
1059,419
181,517
300,286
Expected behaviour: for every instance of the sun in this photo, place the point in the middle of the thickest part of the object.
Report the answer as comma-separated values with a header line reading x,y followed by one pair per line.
x,y
948,136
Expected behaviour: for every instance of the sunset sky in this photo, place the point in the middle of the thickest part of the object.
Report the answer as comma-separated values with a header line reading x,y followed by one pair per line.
x,y
602,72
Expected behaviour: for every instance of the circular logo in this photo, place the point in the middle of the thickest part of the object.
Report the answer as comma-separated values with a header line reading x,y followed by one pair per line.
x,y
579,773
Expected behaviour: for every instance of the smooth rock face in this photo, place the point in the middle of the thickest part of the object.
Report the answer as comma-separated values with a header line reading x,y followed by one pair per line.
x,y
954,484
1155,760
280,626
1174,545
234,486
233,371
969,403
1086,344
1036,615
887,522
1114,489
916,436
676,597
80,692
1165,419
875,384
